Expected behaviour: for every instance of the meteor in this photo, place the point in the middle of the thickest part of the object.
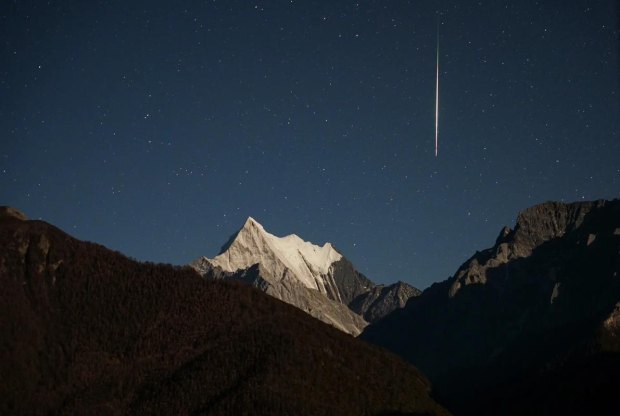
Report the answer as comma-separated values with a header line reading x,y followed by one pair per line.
x,y
437,98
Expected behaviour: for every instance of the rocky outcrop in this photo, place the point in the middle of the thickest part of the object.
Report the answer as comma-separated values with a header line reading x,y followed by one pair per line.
x,y
534,226
382,300
10,212
349,282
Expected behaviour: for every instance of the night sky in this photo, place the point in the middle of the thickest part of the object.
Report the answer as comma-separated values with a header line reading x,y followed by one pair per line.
x,y
156,128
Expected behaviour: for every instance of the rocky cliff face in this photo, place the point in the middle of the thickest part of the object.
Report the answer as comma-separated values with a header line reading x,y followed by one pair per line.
x,y
539,304
88,331
10,212
316,279
534,226
382,300
290,290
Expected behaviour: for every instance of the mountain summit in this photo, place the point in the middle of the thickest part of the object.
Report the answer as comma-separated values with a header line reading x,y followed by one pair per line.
x,y
316,279
279,256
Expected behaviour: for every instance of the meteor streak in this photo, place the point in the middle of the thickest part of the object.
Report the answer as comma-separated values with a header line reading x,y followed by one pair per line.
x,y
437,98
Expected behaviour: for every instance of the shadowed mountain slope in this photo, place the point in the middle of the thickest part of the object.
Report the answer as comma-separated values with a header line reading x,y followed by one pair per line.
x,y
381,300
89,331
528,326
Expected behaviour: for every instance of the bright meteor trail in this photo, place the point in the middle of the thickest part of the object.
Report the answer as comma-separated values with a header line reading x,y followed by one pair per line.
x,y
437,98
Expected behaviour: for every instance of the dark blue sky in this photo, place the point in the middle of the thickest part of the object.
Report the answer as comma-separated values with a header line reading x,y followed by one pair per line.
x,y
155,128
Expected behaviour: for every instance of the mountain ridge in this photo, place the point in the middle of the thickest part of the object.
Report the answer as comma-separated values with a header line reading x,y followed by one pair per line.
x,y
541,302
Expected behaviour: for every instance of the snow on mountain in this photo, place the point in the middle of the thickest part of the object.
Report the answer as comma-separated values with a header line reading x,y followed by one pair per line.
x,y
309,263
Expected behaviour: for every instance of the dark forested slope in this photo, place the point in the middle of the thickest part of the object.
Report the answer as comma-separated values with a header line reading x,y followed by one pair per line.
x,y
87,330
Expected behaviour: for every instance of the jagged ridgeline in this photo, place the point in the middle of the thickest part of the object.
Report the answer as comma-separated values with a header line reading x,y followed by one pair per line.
x,y
532,324
86,330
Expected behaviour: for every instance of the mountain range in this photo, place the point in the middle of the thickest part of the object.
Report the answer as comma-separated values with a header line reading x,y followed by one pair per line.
x,y
86,330
317,279
530,325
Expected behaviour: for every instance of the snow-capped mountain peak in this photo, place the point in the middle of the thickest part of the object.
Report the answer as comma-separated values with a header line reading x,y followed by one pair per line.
x,y
316,279
252,222
277,256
